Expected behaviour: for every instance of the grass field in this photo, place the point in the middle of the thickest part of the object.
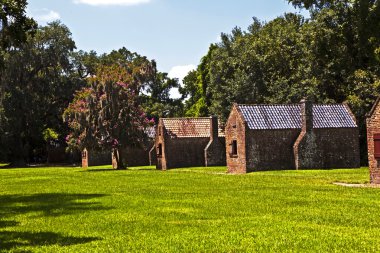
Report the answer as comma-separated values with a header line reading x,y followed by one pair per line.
x,y
186,210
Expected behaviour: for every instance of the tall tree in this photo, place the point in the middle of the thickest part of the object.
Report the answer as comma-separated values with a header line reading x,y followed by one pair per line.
x,y
37,82
14,24
107,114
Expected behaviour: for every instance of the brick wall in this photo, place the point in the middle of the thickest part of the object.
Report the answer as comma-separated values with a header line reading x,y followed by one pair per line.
x,y
160,142
328,148
235,131
135,156
271,149
215,151
319,148
96,158
185,152
373,127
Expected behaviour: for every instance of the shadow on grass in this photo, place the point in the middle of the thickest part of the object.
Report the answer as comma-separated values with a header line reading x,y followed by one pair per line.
x,y
8,223
49,204
53,204
13,240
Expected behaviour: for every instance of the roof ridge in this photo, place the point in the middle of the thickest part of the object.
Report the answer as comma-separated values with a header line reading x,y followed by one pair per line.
x,y
267,104
188,118
287,104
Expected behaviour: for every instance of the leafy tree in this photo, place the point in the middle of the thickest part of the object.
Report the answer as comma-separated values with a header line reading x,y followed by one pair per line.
x,y
195,90
107,114
331,57
14,24
37,82
156,99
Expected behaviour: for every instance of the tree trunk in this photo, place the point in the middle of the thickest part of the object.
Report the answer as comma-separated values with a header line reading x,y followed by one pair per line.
x,y
119,160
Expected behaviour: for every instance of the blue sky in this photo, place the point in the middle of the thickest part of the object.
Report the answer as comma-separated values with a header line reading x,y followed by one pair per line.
x,y
176,33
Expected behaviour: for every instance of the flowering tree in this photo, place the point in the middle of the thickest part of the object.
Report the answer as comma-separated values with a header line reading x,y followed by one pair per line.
x,y
107,114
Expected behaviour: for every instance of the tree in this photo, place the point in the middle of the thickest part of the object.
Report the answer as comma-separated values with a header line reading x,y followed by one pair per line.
x,y
37,81
14,25
107,114
156,99
195,90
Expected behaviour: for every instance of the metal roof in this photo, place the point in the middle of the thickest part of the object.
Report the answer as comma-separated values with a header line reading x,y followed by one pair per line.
x,y
189,127
289,116
150,132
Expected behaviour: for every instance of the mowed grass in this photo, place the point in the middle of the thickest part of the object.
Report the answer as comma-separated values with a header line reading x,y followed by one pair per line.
x,y
186,210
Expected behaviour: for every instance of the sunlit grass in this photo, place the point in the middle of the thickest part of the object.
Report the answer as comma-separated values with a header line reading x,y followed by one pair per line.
x,y
186,210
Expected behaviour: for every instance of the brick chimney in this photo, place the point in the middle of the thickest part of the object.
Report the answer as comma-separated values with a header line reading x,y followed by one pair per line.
x,y
307,115
215,151
214,128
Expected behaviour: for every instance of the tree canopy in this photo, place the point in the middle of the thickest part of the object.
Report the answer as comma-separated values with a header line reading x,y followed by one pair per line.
x,y
331,56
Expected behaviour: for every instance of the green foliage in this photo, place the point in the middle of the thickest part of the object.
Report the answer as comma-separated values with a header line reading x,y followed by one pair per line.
x,y
144,210
14,25
331,57
49,135
107,114
36,84
156,99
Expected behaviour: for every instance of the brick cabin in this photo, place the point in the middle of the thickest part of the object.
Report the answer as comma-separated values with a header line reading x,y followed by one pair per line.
x,y
285,137
139,155
189,142
373,141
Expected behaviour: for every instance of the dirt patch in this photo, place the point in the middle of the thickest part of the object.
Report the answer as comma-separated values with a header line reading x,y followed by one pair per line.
x,y
358,185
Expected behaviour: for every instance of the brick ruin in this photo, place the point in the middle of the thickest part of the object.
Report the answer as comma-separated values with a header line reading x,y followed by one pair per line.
x,y
301,136
189,142
373,141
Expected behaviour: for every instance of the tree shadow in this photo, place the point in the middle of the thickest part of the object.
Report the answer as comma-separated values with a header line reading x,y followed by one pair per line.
x,y
13,240
8,223
49,204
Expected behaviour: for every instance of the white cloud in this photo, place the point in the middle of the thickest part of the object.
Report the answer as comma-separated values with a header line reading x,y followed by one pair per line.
x,y
43,16
179,72
111,2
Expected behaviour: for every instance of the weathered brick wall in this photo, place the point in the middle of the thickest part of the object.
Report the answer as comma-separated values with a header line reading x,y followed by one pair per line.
x,y
160,140
271,149
185,152
235,130
373,127
307,152
329,148
136,156
96,158
215,152
340,147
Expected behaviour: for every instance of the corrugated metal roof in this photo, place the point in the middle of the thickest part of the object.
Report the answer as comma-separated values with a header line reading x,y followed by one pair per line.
x,y
189,127
150,132
289,116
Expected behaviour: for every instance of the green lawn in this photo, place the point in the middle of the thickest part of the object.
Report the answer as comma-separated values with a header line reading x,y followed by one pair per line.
x,y
186,210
